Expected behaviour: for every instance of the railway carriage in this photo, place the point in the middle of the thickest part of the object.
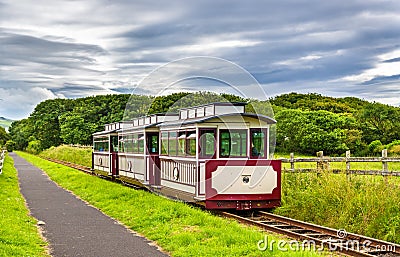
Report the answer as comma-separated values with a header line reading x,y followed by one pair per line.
x,y
215,154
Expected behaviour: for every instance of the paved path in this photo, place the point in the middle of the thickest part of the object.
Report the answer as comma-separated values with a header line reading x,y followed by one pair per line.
x,y
72,227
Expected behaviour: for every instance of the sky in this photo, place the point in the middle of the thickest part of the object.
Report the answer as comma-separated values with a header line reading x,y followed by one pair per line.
x,y
69,49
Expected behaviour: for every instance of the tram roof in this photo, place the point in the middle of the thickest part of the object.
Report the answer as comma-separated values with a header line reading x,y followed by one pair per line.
x,y
264,118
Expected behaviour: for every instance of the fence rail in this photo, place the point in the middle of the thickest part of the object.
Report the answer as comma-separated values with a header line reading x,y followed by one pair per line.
x,y
2,156
323,164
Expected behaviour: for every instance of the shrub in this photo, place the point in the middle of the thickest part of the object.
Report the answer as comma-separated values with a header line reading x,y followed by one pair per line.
x,y
10,145
375,147
34,147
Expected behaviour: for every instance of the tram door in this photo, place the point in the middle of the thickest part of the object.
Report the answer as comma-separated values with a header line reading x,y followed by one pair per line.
x,y
114,156
153,160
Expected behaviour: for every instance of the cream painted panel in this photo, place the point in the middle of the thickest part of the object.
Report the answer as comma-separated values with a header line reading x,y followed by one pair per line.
x,y
229,180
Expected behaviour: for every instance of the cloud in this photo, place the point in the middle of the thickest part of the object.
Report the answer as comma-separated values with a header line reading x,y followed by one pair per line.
x,y
16,101
78,48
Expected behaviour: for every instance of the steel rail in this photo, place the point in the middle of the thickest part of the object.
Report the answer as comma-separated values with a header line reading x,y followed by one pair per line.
x,y
327,238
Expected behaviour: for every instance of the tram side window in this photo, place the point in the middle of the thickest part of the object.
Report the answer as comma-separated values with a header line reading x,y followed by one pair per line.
x,y
140,148
164,143
233,143
172,144
100,145
121,144
207,143
191,143
258,143
181,143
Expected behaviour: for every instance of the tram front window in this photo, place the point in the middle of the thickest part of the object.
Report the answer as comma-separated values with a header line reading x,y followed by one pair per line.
x,y
233,143
258,144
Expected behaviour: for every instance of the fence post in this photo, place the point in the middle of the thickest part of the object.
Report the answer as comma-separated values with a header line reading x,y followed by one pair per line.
x,y
385,170
320,164
347,162
292,161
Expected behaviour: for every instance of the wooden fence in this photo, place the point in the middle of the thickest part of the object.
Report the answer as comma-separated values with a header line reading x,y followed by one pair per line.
x,y
323,164
2,156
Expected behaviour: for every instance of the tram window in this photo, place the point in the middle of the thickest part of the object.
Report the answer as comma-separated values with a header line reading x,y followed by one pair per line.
x,y
122,144
172,144
258,143
135,143
181,143
233,143
140,143
207,143
191,143
164,143
114,144
128,143
101,144
153,144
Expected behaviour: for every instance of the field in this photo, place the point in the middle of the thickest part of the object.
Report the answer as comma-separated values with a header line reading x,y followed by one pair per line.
x,y
19,235
178,228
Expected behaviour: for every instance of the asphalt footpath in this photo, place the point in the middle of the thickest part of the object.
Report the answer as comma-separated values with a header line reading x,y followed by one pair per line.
x,y
72,227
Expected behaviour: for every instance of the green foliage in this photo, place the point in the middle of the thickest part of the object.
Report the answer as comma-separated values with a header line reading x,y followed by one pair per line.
x,y
180,229
380,122
10,145
19,235
306,122
74,129
20,131
34,146
375,147
365,205
310,131
3,136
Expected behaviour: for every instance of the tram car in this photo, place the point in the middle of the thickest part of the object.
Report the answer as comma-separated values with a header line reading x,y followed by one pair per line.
x,y
215,154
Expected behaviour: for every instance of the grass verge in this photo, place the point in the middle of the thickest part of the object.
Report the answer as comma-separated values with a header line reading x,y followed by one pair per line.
x,y
362,204
179,229
82,156
18,233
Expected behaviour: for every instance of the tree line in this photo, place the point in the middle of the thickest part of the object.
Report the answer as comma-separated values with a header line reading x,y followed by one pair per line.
x,y
306,123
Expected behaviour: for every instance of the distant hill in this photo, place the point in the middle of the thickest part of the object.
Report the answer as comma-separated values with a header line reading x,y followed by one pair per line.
x,y
5,123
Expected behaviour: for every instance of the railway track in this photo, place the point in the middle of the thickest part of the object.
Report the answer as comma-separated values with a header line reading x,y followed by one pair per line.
x,y
315,237
308,236
71,165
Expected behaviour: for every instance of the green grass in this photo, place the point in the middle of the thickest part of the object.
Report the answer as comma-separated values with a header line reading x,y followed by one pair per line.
x,y
19,235
82,156
362,204
178,228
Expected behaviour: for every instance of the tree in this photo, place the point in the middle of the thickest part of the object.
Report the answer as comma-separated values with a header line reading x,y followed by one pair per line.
x,y
312,131
380,122
74,129
20,131
3,136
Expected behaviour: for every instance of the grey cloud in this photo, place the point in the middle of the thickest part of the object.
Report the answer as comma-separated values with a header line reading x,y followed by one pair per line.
x,y
299,45
392,60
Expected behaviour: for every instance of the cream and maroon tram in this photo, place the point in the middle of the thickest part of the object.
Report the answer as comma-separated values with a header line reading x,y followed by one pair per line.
x,y
216,154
